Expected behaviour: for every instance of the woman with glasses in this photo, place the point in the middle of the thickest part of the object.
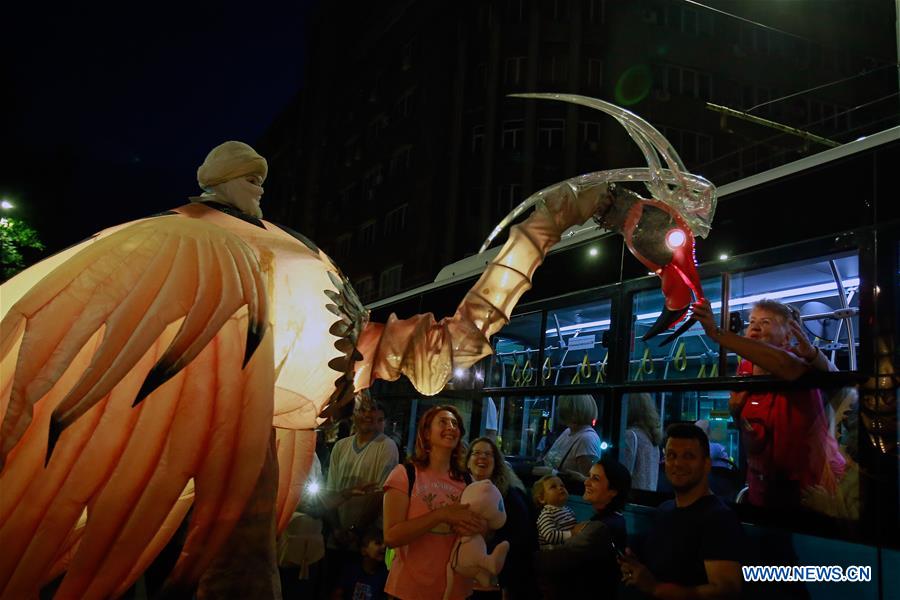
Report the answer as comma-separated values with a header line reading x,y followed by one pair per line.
x,y
485,461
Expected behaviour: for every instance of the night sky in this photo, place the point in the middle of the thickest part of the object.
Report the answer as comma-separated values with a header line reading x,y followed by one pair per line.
x,y
107,111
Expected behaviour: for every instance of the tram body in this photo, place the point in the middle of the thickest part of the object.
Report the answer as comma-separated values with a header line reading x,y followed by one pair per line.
x,y
822,234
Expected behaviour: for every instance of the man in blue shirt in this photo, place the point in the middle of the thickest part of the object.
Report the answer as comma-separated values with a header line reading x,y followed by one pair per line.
x,y
695,546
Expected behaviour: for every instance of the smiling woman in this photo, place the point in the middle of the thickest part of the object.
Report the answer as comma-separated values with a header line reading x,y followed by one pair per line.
x,y
485,461
585,564
423,517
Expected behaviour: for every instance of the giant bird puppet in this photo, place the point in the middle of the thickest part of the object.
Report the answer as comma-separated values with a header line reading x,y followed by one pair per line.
x,y
175,368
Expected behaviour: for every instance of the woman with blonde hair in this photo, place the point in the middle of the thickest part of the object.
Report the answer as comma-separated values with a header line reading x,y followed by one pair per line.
x,y
640,454
422,513
578,447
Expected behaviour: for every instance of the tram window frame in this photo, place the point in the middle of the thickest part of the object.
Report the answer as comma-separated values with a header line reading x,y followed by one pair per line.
x,y
592,369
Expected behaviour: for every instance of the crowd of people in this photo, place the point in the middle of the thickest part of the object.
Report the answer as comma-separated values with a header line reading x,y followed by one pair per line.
x,y
694,547
551,555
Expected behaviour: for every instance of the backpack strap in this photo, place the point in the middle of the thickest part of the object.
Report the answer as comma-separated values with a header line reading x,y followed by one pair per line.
x,y
411,477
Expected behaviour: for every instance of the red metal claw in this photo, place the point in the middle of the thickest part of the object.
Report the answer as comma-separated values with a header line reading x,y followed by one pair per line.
x,y
654,233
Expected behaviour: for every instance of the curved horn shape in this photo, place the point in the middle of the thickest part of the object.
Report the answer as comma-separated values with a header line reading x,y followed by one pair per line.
x,y
650,134
696,205
692,195
696,185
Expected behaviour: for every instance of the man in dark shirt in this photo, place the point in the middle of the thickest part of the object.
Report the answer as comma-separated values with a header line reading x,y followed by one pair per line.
x,y
694,547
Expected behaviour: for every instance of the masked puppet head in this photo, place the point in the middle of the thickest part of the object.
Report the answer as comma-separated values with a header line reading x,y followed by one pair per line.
x,y
233,173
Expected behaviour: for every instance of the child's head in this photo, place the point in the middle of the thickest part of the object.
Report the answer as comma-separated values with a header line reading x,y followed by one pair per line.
x,y
372,544
551,490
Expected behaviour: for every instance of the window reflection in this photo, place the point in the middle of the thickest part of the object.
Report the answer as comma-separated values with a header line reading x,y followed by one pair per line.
x,y
576,345
691,356
825,292
515,358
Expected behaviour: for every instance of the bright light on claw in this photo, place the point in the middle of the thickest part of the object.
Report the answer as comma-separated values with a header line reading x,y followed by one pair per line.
x,y
675,239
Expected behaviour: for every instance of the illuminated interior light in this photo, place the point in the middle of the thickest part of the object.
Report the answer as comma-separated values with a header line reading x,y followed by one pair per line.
x,y
459,373
723,257
604,445
313,488
589,324
822,290
6,205
593,252
675,238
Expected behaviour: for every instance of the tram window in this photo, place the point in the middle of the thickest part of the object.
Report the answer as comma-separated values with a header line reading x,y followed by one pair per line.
x,y
530,425
514,362
792,452
691,356
575,350
812,287
709,410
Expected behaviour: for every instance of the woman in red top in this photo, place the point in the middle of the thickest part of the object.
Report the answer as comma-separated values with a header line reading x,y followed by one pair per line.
x,y
785,432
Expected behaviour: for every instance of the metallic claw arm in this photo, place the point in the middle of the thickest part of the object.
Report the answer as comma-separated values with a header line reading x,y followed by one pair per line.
x,y
427,351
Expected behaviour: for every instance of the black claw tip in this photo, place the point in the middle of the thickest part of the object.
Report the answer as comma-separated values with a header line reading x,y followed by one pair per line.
x,y
255,333
665,320
156,377
55,430
674,335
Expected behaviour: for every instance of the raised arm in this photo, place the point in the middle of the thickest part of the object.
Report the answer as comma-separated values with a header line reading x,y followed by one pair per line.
x,y
776,361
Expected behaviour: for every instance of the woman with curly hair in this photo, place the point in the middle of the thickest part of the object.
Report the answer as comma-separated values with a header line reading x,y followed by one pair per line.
x,y
422,520
517,578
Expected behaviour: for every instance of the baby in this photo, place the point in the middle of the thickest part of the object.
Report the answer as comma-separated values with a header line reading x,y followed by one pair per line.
x,y
556,520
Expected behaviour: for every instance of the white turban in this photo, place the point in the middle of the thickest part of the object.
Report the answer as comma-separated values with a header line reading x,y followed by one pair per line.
x,y
229,161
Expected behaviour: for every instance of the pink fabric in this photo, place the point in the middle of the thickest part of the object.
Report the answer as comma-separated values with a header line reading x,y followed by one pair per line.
x,y
419,568
790,447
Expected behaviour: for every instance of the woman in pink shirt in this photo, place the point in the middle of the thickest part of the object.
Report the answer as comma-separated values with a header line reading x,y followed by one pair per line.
x,y
422,523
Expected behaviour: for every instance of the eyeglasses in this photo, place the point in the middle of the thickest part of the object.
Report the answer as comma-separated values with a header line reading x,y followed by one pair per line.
x,y
485,454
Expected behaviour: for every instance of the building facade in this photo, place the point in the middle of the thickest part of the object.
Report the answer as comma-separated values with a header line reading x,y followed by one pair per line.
x,y
405,148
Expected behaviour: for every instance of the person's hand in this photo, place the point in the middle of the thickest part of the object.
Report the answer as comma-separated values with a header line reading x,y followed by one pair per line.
x,y
462,520
805,350
636,574
579,527
702,311
362,490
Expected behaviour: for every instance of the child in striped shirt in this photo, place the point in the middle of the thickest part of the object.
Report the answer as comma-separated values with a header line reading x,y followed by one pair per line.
x,y
556,520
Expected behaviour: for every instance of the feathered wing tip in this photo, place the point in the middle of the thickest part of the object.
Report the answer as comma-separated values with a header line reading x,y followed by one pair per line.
x,y
136,282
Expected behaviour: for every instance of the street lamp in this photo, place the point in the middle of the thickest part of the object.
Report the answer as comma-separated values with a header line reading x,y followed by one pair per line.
x,y
6,204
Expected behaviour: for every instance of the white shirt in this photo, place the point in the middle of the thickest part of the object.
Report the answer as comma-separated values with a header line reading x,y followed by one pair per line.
x,y
569,446
351,466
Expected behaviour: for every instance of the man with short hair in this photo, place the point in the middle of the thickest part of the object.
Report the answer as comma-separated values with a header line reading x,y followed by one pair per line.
x,y
358,466
694,548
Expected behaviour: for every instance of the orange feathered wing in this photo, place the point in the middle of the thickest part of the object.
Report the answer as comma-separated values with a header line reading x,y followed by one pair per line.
x,y
173,310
